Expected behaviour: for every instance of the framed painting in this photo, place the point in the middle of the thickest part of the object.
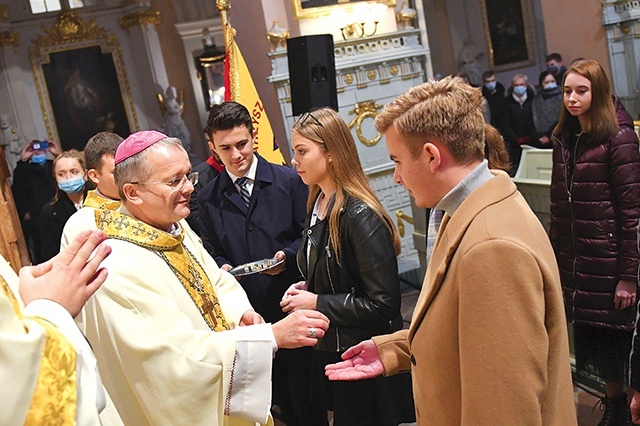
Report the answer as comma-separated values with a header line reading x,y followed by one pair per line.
x,y
315,8
507,32
81,82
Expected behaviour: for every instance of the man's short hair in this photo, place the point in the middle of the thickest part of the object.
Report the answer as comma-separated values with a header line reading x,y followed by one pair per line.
x,y
229,115
446,111
553,57
136,168
488,74
100,144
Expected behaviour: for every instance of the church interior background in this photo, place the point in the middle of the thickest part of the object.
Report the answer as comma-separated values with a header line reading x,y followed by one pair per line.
x,y
123,55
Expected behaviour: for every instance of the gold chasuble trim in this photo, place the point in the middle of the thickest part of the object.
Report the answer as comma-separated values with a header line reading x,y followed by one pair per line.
x,y
99,202
12,298
55,398
179,259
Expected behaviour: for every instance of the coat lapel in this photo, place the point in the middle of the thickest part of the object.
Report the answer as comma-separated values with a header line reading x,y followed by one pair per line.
x,y
450,235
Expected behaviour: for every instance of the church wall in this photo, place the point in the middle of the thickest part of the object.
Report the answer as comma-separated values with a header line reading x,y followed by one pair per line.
x,y
440,42
178,74
574,29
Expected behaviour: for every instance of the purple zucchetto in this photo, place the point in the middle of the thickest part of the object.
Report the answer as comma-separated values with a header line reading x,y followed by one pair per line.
x,y
136,143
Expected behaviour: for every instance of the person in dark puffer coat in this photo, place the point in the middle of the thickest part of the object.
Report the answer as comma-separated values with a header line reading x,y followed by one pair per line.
x,y
595,205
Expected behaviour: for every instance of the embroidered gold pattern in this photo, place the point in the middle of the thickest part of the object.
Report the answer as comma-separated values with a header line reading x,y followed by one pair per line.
x,y
55,397
99,202
12,298
175,254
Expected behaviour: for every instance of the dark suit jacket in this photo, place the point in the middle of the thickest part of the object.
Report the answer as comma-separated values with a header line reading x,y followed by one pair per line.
x,y
274,221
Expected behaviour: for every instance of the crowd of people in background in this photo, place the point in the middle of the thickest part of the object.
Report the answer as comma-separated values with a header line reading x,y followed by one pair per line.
x,y
170,315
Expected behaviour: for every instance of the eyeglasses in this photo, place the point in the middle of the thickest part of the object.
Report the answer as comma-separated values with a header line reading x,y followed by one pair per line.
x,y
306,116
176,183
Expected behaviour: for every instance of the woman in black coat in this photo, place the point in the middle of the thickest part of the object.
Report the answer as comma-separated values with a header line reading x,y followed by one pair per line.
x,y
348,257
70,174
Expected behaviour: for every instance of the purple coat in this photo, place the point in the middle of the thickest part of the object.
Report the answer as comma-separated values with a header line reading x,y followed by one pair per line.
x,y
595,205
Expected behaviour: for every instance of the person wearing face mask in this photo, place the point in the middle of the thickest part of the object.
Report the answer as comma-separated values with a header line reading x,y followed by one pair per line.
x,y
555,66
546,109
70,174
33,187
493,92
519,129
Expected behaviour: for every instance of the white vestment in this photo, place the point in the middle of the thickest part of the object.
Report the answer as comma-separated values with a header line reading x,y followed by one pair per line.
x,y
22,341
161,362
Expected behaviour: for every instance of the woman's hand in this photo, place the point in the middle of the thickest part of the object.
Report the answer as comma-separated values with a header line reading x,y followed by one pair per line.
x,y
297,297
625,295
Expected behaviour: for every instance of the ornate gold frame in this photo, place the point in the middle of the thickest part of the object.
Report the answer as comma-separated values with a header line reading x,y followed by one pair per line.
x,y
528,35
314,12
71,32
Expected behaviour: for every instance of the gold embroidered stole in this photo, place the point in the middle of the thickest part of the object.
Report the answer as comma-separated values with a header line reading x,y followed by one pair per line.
x,y
55,398
97,201
171,249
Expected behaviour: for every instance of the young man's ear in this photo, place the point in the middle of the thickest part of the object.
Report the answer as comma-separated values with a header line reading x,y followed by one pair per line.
x,y
92,174
433,156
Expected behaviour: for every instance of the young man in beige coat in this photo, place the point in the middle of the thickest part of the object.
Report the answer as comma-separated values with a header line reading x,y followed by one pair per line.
x,y
488,340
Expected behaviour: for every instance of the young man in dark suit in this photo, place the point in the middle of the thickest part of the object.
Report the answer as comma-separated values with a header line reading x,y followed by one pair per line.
x,y
251,211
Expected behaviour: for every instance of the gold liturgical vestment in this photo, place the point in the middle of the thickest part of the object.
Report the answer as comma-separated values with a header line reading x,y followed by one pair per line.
x,y
169,248
164,330
48,372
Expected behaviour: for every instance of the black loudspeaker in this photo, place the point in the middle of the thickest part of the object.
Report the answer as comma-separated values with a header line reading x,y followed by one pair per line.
x,y
312,73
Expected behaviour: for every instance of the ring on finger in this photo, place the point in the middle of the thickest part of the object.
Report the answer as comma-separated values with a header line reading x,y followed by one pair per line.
x,y
312,333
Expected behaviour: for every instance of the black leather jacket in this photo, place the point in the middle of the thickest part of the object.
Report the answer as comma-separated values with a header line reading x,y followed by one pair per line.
x,y
361,296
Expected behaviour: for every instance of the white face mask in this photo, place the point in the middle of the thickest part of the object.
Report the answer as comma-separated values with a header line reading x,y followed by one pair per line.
x,y
550,86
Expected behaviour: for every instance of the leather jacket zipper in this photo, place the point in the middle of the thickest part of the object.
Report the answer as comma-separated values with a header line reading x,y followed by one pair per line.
x,y
333,290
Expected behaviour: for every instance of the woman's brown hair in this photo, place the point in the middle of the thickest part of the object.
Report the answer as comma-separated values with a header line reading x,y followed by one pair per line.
x,y
328,130
601,116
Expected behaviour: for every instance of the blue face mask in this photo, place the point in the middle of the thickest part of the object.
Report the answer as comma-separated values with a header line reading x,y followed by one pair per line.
x,y
520,90
491,85
38,159
72,186
550,86
553,70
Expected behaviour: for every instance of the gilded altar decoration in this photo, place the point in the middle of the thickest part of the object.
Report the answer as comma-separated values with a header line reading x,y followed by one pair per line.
x,y
81,81
364,110
8,38
405,16
4,14
315,8
140,18
277,37
401,219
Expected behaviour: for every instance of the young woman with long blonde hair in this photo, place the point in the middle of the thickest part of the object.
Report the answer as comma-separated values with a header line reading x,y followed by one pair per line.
x,y
348,257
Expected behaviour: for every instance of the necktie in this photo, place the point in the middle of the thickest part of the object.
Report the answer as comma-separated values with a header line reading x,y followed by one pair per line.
x,y
435,219
244,191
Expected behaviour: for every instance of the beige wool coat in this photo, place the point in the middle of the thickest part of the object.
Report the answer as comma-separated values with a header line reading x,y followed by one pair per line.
x,y
488,340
